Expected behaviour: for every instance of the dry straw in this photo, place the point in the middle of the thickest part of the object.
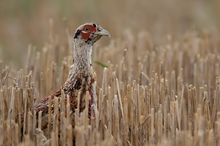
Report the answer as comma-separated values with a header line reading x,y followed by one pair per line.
x,y
149,95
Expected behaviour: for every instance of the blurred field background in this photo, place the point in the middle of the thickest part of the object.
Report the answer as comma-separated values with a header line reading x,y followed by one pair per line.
x,y
25,22
161,87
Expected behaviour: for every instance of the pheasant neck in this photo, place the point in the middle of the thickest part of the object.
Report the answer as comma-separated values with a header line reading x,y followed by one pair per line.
x,y
82,58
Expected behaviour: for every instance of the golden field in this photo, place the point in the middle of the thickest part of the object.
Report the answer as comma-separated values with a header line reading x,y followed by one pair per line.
x,y
158,77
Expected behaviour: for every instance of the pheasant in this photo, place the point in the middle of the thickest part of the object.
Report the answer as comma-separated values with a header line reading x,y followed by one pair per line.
x,y
81,74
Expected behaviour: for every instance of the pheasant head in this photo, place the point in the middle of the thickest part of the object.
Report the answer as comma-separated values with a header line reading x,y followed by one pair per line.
x,y
84,38
89,33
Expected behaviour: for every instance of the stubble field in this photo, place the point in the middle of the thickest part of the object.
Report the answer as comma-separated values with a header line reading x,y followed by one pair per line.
x,y
156,85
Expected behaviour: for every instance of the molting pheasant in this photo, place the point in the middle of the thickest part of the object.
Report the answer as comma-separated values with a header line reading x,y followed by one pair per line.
x,y
81,75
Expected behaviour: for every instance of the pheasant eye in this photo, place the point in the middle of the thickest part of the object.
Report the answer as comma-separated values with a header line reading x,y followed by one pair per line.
x,y
86,29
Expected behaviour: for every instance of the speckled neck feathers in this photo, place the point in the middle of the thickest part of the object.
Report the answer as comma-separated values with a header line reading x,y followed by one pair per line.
x,y
81,73
82,52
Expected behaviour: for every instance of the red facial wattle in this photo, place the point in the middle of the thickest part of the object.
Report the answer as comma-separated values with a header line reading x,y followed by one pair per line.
x,y
87,30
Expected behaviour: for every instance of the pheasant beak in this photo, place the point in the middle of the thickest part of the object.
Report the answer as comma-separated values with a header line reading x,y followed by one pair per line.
x,y
103,32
